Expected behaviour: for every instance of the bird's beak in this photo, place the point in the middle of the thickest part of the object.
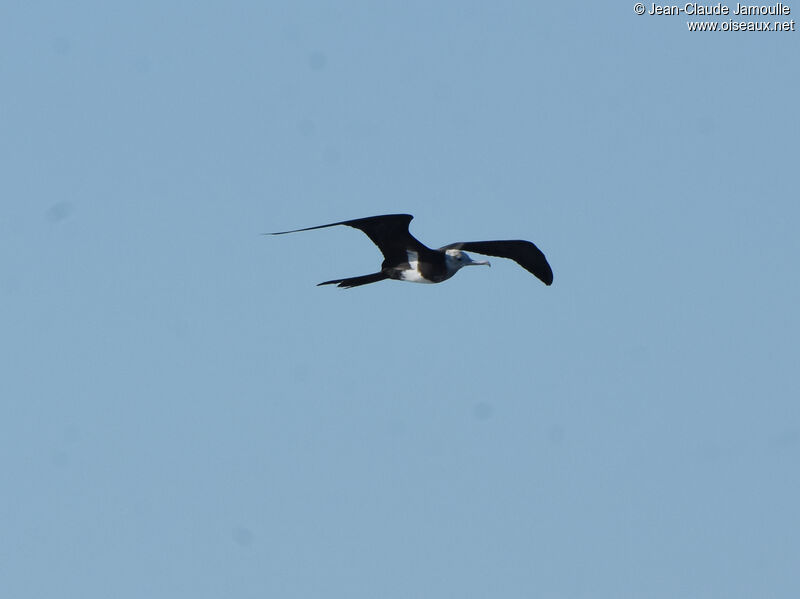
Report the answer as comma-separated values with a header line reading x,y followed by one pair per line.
x,y
480,263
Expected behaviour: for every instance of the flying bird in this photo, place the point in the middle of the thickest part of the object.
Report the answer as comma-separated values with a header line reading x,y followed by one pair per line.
x,y
407,259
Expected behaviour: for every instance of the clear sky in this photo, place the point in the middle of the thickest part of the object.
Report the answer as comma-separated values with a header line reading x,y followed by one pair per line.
x,y
184,414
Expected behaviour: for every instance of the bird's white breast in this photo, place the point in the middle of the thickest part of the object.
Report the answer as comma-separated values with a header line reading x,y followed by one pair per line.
x,y
413,275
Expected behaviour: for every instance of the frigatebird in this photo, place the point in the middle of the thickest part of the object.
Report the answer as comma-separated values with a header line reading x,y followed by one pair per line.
x,y
407,259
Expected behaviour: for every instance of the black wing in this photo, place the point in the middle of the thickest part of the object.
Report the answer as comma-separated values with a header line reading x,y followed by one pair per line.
x,y
389,232
524,253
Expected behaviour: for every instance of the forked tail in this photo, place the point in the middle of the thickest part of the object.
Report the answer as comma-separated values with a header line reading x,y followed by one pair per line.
x,y
356,281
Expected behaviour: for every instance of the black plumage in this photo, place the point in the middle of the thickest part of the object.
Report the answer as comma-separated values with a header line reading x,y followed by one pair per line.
x,y
406,258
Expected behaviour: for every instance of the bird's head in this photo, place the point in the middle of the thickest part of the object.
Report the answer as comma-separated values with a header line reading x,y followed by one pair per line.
x,y
458,259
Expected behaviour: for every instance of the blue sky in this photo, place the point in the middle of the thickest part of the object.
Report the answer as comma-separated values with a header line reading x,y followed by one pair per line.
x,y
184,414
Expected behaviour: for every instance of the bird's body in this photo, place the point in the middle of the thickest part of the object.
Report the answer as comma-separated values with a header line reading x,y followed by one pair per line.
x,y
407,259
432,267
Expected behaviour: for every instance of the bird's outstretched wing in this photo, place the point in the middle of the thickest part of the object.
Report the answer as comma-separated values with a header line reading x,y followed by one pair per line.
x,y
389,232
524,253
